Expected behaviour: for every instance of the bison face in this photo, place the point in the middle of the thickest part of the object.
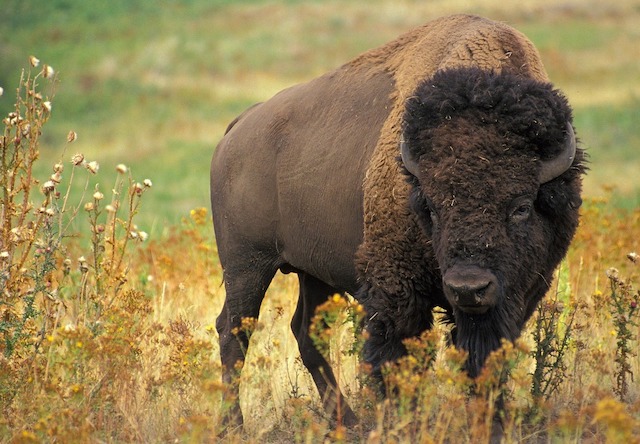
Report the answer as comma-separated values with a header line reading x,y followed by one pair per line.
x,y
478,207
495,177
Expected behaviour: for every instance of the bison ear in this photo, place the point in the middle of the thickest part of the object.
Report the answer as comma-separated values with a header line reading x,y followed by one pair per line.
x,y
562,162
409,161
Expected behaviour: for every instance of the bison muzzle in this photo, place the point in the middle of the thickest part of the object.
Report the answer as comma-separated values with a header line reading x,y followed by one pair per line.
x,y
439,170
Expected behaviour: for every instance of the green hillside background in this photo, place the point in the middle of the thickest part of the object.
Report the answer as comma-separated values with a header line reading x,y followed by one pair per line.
x,y
154,84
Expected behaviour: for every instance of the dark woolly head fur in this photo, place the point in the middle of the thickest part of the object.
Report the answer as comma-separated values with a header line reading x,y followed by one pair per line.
x,y
479,138
521,106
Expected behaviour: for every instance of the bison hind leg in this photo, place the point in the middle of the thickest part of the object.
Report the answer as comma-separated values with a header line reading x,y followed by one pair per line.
x,y
314,292
245,289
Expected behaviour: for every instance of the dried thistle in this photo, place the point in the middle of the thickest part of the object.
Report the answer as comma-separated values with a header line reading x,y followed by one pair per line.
x,y
623,305
77,159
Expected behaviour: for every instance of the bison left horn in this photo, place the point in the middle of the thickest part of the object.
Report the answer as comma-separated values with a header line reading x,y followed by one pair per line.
x,y
407,159
555,167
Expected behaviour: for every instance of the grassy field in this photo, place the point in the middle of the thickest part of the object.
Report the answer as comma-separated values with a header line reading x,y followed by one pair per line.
x,y
105,338
155,85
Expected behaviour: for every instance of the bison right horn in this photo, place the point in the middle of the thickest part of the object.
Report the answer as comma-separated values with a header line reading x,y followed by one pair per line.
x,y
407,159
561,163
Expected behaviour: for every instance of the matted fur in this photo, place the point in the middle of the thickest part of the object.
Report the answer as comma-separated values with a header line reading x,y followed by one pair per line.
x,y
449,42
473,75
510,122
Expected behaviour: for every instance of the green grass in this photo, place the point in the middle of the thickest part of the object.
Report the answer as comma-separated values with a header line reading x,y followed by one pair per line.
x,y
574,34
612,137
153,85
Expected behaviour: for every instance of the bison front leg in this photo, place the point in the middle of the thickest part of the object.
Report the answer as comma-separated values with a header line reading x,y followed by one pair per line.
x,y
390,320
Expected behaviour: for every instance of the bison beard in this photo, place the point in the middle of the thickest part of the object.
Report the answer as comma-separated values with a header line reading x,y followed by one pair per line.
x,y
478,335
481,335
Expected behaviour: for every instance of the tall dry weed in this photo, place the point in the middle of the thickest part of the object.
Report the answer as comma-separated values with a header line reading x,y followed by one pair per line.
x,y
83,356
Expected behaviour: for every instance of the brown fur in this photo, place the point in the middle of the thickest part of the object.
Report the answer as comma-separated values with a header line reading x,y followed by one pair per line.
x,y
413,57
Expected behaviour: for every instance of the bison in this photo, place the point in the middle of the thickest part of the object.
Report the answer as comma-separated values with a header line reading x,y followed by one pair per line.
x,y
439,170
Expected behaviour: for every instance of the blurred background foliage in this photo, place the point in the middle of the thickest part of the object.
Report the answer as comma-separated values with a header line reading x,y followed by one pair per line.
x,y
154,84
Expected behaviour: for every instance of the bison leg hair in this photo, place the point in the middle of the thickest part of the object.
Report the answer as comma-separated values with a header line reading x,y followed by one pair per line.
x,y
314,292
390,320
245,289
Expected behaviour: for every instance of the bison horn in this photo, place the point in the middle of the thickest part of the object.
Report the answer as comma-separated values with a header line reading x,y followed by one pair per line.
x,y
407,159
561,163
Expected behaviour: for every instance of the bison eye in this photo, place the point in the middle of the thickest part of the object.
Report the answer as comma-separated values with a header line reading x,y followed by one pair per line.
x,y
520,209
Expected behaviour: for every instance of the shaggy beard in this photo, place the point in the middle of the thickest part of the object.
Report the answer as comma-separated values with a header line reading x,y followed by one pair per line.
x,y
479,335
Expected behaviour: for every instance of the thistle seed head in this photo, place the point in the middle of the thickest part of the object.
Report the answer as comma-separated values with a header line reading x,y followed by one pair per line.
x,y
48,187
93,166
77,159
48,71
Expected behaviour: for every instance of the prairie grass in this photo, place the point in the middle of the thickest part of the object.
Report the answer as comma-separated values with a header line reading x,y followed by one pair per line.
x,y
107,332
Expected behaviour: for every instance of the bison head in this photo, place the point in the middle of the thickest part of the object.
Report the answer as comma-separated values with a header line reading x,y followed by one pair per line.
x,y
496,180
